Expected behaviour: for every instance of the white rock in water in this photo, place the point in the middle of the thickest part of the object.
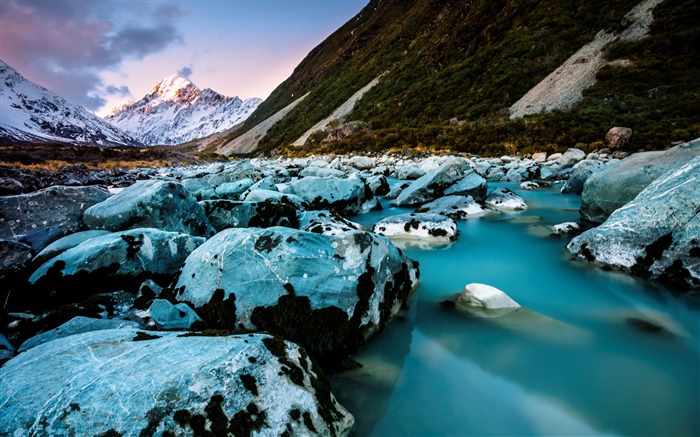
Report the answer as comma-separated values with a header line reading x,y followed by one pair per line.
x,y
505,200
566,228
529,185
484,299
435,228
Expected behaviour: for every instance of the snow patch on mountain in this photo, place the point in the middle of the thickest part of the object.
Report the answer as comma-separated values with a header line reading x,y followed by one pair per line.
x,y
29,112
176,111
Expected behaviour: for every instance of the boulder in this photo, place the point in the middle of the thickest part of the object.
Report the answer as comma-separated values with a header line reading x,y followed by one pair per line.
x,y
321,172
617,137
432,185
233,190
236,172
582,171
54,206
325,222
529,185
503,199
394,192
409,171
362,162
656,235
15,258
76,325
454,207
7,351
472,184
378,184
61,245
167,206
610,189
484,300
539,157
200,189
130,382
566,228
276,196
266,183
346,196
434,228
165,315
570,158
223,214
329,293
117,261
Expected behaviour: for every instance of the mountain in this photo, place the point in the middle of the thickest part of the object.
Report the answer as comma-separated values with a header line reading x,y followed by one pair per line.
x,y
176,111
457,75
31,113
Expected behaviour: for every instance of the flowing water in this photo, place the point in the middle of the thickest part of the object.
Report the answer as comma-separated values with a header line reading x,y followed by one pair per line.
x,y
593,353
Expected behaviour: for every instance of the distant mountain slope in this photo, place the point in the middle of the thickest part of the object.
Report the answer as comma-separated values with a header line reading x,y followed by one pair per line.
x,y
31,113
472,60
176,111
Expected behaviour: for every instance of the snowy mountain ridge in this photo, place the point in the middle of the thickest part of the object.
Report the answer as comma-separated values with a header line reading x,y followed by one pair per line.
x,y
176,111
29,112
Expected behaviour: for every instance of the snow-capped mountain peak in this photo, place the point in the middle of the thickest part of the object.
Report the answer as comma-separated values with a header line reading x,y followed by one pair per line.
x,y
176,111
29,112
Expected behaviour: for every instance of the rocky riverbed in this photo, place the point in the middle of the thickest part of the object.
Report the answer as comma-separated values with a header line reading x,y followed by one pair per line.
x,y
226,289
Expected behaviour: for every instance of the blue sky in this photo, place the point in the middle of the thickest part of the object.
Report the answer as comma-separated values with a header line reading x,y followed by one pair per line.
x,y
100,53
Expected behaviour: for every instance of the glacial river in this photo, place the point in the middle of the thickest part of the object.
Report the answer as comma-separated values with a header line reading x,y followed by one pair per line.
x,y
593,353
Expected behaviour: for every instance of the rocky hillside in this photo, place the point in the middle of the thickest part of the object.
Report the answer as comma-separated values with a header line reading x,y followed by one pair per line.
x,y
30,113
451,71
176,111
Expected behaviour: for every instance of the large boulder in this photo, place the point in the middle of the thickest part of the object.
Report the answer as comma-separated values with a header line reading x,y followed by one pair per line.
x,y
117,261
434,229
454,207
223,214
129,382
503,199
610,189
76,325
346,196
656,235
261,195
472,184
582,171
325,222
53,206
431,185
570,158
617,137
330,294
150,204
233,190
69,241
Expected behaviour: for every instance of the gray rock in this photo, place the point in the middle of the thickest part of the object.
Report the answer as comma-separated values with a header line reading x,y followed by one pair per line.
x,y
454,207
325,222
570,157
270,195
266,183
130,382
200,189
346,196
432,228
233,190
472,184
53,206
165,315
14,258
529,185
76,325
41,238
409,172
610,189
378,184
330,294
167,206
362,162
117,261
566,228
582,171
321,172
235,172
656,235
432,185
503,199
65,243
223,214
394,193
486,301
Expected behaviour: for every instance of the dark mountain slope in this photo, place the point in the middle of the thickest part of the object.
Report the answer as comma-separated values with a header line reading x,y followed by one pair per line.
x,y
471,60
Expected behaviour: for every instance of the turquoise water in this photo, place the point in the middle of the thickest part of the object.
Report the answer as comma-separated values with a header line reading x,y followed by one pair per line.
x,y
595,353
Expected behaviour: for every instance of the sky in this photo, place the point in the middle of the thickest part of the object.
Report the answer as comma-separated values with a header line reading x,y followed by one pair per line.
x,y
100,53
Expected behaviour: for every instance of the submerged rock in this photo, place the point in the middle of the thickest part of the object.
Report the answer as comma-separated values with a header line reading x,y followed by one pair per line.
x,y
503,199
130,382
656,235
610,189
54,206
432,228
167,206
121,260
486,301
330,294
